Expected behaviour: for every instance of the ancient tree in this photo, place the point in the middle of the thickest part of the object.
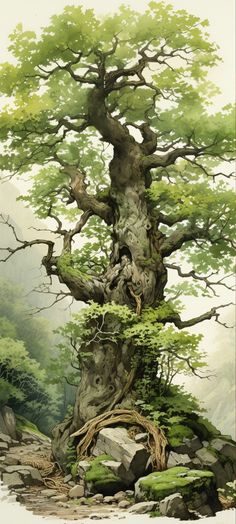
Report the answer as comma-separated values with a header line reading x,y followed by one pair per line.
x,y
111,120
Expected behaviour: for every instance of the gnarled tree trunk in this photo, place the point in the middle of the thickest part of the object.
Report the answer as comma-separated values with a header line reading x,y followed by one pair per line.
x,y
136,277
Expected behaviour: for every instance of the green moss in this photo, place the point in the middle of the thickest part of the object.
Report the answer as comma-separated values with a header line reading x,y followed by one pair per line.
x,y
203,428
23,424
158,485
177,433
101,477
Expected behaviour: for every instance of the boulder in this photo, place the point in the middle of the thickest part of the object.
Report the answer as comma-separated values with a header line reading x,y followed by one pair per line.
x,y
118,469
117,443
174,506
144,507
30,476
9,419
11,460
189,446
198,505
211,461
5,438
103,478
12,480
224,447
76,492
178,459
159,485
124,504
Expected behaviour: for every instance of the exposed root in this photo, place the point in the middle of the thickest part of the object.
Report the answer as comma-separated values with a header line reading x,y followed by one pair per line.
x,y
52,477
56,482
157,441
43,464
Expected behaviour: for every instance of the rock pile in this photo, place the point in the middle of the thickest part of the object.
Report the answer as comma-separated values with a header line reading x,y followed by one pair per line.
x,y
118,476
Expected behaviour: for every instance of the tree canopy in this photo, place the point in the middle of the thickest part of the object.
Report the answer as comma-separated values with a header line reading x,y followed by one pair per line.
x,y
111,120
85,87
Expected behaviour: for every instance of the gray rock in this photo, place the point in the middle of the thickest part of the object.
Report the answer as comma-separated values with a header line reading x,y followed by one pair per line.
x,y
144,507
12,480
59,498
108,500
76,492
67,478
229,470
98,497
83,466
213,463
3,448
117,443
228,449
141,437
29,475
177,459
204,511
120,495
189,446
118,468
129,492
9,418
5,438
174,506
11,460
124,504
63,505
48,492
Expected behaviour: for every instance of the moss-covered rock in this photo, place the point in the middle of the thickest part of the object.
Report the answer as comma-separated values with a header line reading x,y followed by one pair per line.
x,y
24,425
203,428
101,479
183,480
178,433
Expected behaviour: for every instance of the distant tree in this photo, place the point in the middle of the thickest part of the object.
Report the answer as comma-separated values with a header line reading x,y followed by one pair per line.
x,y
116,116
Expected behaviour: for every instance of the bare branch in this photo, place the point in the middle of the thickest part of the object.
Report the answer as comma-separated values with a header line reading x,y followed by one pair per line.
x,y
208,283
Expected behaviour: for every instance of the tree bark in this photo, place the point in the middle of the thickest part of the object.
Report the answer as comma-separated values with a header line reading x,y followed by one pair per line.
x,y
136,277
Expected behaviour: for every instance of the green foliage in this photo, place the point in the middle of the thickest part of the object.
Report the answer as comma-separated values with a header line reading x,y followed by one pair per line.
x,y
201,206
17,369
26,378
229,493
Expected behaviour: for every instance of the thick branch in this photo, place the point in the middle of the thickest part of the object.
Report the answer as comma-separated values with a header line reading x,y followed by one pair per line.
x,y
84,200
213,313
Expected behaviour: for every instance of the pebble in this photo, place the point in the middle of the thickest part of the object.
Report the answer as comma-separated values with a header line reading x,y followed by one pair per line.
x,y
108,500
76,492
123,504
98,497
